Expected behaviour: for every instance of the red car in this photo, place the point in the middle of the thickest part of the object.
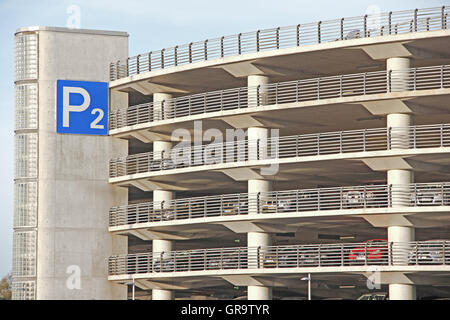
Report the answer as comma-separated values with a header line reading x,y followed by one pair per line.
x,y
374,251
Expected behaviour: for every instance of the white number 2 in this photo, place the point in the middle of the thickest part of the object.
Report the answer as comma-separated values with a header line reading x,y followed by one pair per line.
x,y
94,124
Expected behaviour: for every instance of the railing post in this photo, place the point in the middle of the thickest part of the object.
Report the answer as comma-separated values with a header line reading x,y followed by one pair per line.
x,y
390,253
364,139
365,25
128,67
257,95
319,40
442,77
389,134
318,88
318,144
389,80
205,49
258,202
318,199
176,55
365,82
239,43
190,52
441,134
443,22
138,58
319,255
162,58
221,47
150,61
365,253
276,93
415,19
298,35
257,40
342,29
278,38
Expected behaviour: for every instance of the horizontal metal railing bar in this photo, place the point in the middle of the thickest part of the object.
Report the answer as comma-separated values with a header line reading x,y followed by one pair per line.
x,y
423,78
398,22
377,139
304,200
374,252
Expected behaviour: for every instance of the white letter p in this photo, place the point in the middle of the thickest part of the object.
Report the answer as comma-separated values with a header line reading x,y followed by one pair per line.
x,y
67,108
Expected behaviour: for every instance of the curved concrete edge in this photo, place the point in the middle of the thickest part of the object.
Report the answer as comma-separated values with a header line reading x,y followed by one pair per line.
x,y
275,271
259,163
350,44
271,216
285,106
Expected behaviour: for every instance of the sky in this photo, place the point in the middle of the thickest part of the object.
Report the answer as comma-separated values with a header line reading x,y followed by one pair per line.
x,y
152,25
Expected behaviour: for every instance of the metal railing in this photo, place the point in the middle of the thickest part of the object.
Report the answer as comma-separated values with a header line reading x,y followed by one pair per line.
x,y
398,22
294,201
328,143
435,77
375,253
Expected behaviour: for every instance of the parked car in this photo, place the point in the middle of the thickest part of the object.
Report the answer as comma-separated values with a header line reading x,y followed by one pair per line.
x,y
430,252
358,198
231,208
374,251
303,256
353,34
164,265
273,206
226,260
430,196
374,296
162,215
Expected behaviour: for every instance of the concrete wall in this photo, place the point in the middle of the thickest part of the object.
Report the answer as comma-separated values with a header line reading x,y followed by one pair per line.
x,y
74,194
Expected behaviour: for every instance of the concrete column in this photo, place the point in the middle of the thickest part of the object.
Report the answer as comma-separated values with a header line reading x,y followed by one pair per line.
x,y
160,147
259,293
162,106
257,143
257,90
400,75
398,235
161,202
399,180
257,95
257,193
160,246
161,294
402,292
256,260
258,239
400,135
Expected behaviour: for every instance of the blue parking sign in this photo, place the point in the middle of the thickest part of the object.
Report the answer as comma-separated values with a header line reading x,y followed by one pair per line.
x,y
82,107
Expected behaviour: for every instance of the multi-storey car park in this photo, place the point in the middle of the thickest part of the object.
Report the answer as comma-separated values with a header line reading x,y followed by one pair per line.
x,y
336,170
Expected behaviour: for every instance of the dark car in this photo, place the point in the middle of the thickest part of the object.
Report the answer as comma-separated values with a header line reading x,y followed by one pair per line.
x,y
430,196
374,296
432,252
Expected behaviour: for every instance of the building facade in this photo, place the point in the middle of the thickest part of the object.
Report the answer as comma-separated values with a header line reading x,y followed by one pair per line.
x,y
241,166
